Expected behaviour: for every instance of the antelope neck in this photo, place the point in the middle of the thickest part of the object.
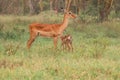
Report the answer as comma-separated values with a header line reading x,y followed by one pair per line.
x,y
64,23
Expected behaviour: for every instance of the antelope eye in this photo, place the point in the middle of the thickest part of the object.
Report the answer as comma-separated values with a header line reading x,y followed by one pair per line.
x,y
69,13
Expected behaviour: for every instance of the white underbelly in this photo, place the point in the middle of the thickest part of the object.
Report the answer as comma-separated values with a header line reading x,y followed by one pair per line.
x,y
46,34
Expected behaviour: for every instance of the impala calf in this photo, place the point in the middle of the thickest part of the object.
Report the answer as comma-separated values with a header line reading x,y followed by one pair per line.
x,y
67,42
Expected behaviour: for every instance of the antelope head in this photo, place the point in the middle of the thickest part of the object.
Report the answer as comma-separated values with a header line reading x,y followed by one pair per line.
x,y
67,12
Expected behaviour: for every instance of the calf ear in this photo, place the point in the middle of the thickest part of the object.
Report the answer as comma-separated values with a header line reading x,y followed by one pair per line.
x,y
69,37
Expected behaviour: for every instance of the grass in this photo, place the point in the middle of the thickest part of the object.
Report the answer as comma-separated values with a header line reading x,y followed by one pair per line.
x,y
96,53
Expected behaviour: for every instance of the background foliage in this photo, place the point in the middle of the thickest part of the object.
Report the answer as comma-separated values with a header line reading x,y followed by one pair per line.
x,y
99,8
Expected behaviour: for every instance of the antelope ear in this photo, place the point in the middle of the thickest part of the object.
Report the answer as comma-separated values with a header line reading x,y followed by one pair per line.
x,y
70,11
65,11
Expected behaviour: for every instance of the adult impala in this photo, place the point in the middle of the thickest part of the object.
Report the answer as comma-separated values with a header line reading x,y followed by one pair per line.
x,y
49,30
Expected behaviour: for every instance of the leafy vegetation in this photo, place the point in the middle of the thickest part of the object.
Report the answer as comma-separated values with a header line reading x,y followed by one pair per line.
x,y
96,53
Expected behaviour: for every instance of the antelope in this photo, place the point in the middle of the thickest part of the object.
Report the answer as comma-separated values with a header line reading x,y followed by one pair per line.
x,y
50,30
67,42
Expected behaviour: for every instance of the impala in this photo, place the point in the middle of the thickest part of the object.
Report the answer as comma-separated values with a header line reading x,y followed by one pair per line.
x,y
49,30
67,42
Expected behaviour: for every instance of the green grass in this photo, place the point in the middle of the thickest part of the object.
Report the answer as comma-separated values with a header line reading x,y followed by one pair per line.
x,y
96,53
